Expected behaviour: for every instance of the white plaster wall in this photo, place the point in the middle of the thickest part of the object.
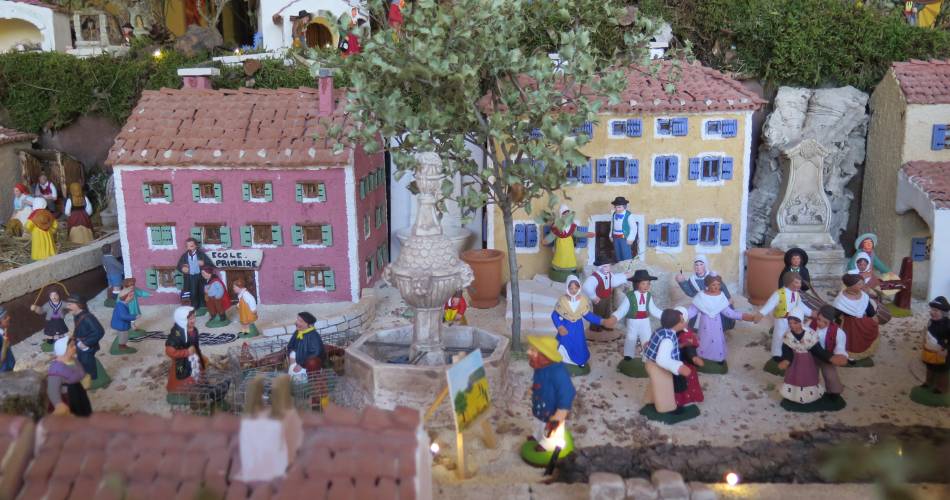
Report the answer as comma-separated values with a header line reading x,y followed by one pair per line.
x,y
279,36
920,121
935,273
53,26
939,282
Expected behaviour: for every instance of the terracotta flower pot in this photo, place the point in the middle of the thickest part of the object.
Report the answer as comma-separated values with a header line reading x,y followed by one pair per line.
x,y
486,264
763,267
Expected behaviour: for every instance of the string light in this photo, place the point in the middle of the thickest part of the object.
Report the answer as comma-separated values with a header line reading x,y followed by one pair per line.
x,y
732,479
157,54
434,448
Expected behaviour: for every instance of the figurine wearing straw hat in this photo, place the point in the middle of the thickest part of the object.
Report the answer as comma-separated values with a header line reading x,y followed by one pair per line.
x,y
552,395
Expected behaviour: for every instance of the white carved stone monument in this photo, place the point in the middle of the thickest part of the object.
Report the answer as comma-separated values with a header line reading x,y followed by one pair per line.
x,y
804,216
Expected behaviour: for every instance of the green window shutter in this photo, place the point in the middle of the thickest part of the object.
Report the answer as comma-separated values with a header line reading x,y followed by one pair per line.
x,y
146,193
327,235
151,278
195,191
296,234
268,191
217,191
246,238
276,235
362,188
179,280
225,236
329,281
322,191
196,233
298,192
168,235
168,192
246,191
299,282
155,235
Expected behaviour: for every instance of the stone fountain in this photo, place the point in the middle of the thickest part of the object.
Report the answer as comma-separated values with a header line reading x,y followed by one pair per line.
x,y
406,365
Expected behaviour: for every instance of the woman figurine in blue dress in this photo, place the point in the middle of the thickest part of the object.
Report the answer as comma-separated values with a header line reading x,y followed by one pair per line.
x,y
568,316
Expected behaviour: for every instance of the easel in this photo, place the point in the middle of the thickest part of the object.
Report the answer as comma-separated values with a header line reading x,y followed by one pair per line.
x,y
482,422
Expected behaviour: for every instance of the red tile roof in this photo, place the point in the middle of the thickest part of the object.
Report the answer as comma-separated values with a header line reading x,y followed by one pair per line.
x,y
932,178
697,88
345,454
924,82
244,127
8,135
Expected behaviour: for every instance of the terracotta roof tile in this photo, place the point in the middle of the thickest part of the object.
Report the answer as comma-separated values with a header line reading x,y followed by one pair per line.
x,y
924,82
933,178
8,135
168,123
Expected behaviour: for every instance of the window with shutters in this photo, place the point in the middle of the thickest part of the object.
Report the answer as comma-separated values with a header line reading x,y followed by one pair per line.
x,y
709,234
719,129
664,127
165,277
313,277
379,216
940,138
920,249
618,129
712,128
157,192
573,173
527,236
161,235
262,234
257,190
710,168
312,234
210,234
665,233
311,192
617,169
366,227
671,127
317,278
206,192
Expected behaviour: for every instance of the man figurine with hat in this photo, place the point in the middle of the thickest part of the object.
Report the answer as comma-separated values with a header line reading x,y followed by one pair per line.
x,y
87,332
623,230
662,359
305,350
934,391
599,286
7,361
552,395
637,306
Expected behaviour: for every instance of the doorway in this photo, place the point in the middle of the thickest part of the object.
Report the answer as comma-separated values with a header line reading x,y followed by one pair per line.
x,y
250,279
319,36
603,238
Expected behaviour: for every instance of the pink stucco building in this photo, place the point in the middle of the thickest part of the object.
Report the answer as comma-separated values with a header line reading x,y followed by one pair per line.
x,y
250,175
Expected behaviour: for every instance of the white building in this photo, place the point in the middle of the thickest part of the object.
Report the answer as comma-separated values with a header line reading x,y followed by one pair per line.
x,y
33,22
276,20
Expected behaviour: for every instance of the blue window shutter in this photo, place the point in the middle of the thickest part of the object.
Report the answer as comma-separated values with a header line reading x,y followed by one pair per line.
x,y
589,129
692,234
535,133
658,170
939,139
519,235
672,170
634,127
653,235
586,176
601,170
633,171
694,168
918,249
531,235
725,168
680,126
725,234
580,241
729,128
674,234
225,236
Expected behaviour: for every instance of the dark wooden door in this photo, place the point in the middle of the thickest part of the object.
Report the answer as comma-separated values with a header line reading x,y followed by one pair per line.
x,y
604,243
245,274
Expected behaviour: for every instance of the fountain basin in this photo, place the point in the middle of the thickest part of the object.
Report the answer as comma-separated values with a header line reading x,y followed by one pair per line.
x,y
379,363
459,237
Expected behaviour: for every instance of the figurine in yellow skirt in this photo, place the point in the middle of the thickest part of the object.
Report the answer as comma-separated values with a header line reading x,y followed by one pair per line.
x,y
42,226
247,309
455,310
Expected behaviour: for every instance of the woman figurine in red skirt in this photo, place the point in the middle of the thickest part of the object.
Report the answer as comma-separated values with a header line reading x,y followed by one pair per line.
x,y
857,318
691,391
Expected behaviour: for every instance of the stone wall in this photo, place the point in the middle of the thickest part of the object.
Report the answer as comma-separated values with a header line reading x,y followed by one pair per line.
x,y
836,118
353,320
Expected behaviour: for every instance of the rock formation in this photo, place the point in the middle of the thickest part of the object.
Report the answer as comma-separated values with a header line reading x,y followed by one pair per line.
x,y
838,120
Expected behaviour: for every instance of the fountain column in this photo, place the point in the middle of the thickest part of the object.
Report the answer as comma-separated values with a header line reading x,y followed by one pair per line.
x,y
428,271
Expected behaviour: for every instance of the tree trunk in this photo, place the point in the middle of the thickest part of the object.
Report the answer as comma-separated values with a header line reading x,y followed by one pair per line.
x,y
515,296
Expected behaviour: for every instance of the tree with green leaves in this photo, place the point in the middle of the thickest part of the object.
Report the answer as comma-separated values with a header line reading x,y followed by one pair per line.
x,y
478,73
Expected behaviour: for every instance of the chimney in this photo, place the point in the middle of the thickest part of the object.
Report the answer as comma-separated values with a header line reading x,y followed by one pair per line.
x,y
197,78
325,91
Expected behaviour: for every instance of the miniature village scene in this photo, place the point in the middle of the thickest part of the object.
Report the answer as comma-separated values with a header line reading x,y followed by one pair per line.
x,y
474,249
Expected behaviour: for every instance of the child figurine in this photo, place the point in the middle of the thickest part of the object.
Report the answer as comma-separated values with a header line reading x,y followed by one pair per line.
x,y
832,339
42,227
134,307
247,309
22,208
216,297
802,391
55,327
866,243
637,306
709,308
88,332
121,324
662,358
624,230
934,391
454,310
599,288
687,389
858,311
568,316
782,302
795,261
114,273
552,395
78,209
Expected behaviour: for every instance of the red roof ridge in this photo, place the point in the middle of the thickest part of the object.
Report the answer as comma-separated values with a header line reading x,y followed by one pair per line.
x,y
931,177
923,82
9,135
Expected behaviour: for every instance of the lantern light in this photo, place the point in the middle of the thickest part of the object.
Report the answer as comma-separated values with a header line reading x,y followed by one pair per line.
x,y
732,479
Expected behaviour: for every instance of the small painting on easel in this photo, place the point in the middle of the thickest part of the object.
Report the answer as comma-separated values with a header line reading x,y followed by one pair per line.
x,y
468,388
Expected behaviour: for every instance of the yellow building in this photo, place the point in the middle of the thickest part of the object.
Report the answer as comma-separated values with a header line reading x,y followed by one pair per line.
x,y
681,159
905,175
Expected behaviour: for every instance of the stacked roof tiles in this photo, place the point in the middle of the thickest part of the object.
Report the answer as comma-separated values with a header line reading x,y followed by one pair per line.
x,y
8,135
933,178
924,82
